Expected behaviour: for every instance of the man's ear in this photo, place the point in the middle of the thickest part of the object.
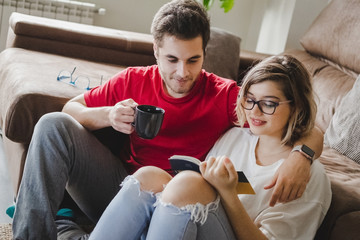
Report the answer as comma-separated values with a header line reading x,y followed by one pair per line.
x,y
156,50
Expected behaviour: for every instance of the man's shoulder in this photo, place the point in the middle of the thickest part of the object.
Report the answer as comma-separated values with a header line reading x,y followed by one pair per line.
x,y
137,75
220,84
144,70
217,79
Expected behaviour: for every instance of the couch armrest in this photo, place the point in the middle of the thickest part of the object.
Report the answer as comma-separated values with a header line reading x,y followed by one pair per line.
x,y
29,87
80,41
247,60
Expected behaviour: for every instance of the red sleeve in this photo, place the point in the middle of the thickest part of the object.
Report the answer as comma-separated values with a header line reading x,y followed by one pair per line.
x,y
233,94
232,105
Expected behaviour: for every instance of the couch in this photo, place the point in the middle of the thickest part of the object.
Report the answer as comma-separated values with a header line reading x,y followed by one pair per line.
x,y
332,56
38,50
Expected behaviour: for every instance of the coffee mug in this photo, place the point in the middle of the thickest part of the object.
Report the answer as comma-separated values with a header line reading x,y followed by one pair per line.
x,y
148,121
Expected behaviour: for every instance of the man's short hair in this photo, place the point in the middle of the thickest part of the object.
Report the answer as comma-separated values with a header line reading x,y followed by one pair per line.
x,y
184,19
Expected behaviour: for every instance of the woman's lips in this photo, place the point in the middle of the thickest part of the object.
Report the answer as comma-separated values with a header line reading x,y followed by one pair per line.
x,y
257,122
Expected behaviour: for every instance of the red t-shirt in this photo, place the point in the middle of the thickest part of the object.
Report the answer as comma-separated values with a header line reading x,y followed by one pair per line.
x,y
191,124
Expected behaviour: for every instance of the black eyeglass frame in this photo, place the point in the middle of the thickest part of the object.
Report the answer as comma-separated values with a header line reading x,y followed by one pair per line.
x,y
259,103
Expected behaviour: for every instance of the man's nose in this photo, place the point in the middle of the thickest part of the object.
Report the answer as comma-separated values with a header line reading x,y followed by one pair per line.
x,y
182,69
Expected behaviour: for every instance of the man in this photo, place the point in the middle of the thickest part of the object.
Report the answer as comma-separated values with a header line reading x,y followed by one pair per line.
x,y
199,108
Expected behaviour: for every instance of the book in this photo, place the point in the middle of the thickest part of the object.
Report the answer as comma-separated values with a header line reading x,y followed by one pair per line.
x,y
181,162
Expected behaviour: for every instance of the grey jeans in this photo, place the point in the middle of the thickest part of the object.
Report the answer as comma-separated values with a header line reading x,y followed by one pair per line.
x,y
63,154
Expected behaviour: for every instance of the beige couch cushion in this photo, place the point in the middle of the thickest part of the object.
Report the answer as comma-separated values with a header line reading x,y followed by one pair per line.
x,y
334,36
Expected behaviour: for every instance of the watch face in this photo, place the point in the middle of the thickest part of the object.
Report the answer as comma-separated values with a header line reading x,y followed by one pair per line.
x,y
307,150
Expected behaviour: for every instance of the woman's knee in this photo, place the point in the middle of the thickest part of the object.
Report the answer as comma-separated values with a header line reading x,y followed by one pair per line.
x,y
152,178
188,187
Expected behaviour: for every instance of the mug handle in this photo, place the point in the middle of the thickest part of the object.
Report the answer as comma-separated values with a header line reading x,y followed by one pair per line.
x,y
133,123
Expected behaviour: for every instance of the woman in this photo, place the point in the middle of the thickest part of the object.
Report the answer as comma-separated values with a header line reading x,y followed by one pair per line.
x,y
276,100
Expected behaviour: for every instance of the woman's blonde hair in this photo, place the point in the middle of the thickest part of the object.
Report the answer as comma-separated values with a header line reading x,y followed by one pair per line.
x,y
295,81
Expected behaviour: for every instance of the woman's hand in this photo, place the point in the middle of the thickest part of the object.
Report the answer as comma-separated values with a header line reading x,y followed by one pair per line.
x,y
220,173
122,115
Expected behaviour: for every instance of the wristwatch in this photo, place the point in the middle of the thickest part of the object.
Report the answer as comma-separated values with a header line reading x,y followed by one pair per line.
x,y
305,151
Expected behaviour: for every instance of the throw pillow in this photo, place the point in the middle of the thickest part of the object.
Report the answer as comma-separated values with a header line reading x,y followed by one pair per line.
x,y
222,54
343,133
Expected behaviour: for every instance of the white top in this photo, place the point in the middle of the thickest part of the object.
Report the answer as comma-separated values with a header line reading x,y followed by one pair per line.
x,y
298,219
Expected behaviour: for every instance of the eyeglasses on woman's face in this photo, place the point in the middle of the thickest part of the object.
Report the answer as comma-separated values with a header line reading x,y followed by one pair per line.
x,y
266,106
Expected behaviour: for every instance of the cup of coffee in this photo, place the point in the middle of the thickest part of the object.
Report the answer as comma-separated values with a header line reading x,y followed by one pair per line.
x,y
148,120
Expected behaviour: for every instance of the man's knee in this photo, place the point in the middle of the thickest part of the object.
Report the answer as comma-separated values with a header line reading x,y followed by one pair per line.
x,y
57,126
152,178
53,119
188,187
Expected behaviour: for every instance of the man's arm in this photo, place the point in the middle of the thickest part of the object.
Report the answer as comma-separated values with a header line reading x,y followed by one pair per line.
x,y
119,116
293,175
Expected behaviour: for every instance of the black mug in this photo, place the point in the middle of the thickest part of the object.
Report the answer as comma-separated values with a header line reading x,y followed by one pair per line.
x,y
148,121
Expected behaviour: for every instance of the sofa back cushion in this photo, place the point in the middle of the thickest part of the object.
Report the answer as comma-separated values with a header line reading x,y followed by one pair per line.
x,y
335,34
78,40
223,54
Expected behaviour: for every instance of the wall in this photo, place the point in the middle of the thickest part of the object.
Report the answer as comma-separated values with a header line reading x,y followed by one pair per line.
x,y
304,14
134,15
138,15
275,26
249,19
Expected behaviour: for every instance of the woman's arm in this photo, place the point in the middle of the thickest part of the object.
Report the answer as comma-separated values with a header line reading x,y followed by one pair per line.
x,y
242,225
221,174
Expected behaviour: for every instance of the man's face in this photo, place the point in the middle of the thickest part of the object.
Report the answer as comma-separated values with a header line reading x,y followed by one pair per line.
x,y
180,63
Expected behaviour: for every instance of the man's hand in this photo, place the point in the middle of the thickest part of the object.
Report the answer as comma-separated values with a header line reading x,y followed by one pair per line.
x,y
122,115
290,180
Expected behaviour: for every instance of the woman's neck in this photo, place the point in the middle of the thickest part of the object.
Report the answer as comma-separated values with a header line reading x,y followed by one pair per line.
x,y
270,150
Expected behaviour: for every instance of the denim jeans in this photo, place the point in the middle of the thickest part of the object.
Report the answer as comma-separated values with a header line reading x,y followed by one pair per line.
x,y
136,214
63,154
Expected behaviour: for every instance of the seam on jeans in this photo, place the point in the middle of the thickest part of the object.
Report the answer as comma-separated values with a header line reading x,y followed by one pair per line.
x,y
225,227
198,212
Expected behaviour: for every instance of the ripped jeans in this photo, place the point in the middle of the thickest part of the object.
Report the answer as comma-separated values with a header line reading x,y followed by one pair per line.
x,y
136,214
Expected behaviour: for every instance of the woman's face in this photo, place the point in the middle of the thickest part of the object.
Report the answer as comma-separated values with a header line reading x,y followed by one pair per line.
x,y
264,124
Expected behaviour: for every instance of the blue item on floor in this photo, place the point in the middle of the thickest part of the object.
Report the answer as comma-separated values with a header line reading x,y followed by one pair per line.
x,y
65,212
10,211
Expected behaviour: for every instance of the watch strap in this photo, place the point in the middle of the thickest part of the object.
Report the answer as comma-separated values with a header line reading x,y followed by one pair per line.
x,y
305,151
